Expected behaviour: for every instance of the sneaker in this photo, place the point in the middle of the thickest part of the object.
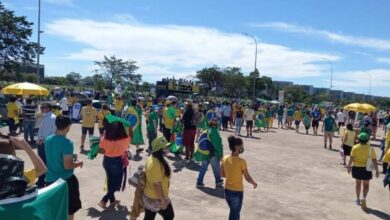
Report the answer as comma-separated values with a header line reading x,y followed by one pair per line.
x,y
363,204
199,185
357,202
219,184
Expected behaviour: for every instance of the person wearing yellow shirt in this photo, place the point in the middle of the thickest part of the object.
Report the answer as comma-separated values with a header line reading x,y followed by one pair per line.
x,y
118,103
386,151
359,155
234,168
88,115
13,115
297,118
105,111
158,175
8,146
169,115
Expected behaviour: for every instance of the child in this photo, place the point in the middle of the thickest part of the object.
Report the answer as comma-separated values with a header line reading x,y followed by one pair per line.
x,y
233,168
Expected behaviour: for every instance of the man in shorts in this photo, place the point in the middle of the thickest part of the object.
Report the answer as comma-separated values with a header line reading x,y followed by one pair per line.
x,y
249,116
88,115
61,163
316,115
340,119
329,125
290,114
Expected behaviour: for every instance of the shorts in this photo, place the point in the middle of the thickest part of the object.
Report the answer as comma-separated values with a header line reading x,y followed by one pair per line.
x,y
347,150
249,124
65,113
74,202
328,133
297,122
381,120
84,131
360,173
341,124
315,124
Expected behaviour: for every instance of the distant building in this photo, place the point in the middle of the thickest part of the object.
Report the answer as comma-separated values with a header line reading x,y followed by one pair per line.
x,y
349,95
32,68
308,89
336,94
282,84
318,91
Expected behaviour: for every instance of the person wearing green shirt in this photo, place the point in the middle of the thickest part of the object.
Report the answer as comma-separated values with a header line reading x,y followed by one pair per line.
x,y
61,163
268,115
329,125
152,126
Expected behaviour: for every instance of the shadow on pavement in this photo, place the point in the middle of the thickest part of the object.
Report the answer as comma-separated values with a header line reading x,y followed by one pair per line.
x,y
377,213
178,165
218,192
193,166
119,212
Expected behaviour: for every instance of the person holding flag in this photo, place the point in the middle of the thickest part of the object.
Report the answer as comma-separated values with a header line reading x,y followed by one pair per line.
x,y
134,115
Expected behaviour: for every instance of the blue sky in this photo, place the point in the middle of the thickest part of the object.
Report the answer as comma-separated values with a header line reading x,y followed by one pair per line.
x,y
178,38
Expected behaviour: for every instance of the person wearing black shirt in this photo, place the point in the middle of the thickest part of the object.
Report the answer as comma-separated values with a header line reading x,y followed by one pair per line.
x,y
189,121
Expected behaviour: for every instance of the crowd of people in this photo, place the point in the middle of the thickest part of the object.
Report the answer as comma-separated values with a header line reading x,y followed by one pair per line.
x,y
196,123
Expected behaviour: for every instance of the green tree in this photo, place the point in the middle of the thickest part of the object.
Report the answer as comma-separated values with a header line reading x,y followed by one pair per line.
x,y
295,94
235,82
210,78
55,80
30,77
117,70
73,78
15,45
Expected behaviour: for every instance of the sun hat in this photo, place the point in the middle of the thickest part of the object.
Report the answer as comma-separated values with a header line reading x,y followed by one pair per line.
x,y
159,144
363,136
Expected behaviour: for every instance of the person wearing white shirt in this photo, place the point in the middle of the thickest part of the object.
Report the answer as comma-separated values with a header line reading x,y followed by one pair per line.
x,y
249,116
64,106
340,119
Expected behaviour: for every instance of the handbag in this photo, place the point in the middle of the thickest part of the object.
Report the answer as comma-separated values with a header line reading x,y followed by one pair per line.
x,y
369,164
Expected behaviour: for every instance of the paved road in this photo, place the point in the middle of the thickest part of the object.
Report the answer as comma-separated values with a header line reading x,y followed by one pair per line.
x,y
298,179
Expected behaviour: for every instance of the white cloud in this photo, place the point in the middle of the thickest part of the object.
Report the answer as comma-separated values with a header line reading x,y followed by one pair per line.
x,y
383,60
360,80
367,42
181,50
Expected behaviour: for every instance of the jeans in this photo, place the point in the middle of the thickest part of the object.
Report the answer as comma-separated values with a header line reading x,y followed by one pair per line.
x,y
42,155
11,126
151,136
29,130
239,123
234,200
214,162
167,214
114,172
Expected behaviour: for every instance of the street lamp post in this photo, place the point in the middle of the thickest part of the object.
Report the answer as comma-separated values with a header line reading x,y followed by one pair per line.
x,y
331,71
369,91
39,39
254,72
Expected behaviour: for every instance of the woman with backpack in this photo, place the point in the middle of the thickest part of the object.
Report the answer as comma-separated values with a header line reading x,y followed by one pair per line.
x,y
190,122
158,175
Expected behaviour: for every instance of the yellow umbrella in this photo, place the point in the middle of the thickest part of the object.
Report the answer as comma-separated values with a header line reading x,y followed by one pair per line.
x,y
24,89
360,107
